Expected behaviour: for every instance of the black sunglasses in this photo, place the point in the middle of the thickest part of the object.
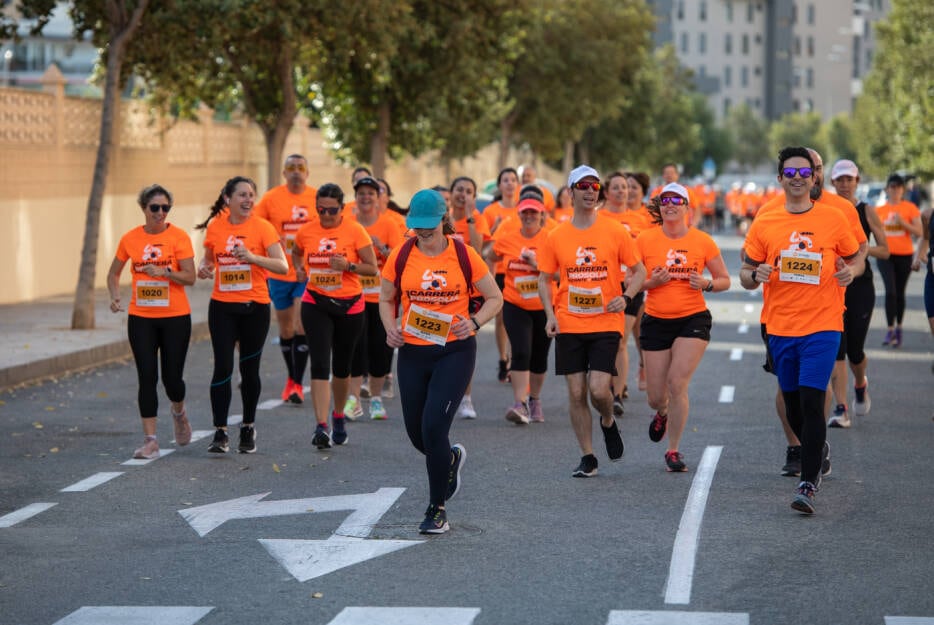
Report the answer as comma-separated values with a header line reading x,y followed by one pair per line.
x,y
329,210
155,208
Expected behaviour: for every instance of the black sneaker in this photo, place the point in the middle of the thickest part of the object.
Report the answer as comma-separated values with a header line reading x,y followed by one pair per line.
x,y
321,439
804,498
825,460
436,521
459,454
247,440
221,443
339,430
675,462
587,467
657,427
613,441
792,466
617,406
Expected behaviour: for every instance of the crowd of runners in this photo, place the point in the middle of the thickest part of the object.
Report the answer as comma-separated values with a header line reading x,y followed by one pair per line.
x,y
355,283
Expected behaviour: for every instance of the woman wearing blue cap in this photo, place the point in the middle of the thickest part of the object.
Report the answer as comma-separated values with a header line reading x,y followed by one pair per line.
x,y
433,276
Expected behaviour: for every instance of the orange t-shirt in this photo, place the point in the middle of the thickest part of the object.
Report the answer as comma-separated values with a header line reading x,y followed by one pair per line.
x,y
521,285
803,297
514,224
495,211
156,297
588,262
434,292
563,214
386,229
287,212
462,229
235,281
634,221
829,199
397,219
682,257
319,244
898,238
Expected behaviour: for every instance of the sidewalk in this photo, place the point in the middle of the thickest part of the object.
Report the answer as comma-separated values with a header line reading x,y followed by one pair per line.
x,y
37,342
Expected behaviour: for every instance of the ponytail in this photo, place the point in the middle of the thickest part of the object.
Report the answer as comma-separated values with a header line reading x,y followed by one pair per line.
x,y
221,200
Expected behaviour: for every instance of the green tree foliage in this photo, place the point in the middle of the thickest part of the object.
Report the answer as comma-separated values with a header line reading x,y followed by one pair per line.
x,y
896,110
798,129
715,141
750,135
841,138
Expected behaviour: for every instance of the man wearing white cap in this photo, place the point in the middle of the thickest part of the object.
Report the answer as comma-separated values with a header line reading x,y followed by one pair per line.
x,y
586,314
860,300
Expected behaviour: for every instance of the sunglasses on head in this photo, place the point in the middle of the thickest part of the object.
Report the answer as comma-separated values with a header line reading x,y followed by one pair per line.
x,y
297,167
155,208
329,210
677,200
583,185
805,172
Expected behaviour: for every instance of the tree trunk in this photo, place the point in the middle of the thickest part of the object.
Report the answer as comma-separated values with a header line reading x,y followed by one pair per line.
x,y
568,163
122,29
277,135
379,141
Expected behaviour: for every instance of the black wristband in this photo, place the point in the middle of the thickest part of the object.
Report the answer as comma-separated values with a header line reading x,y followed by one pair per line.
x,y
752,275
709,287
476,325
627,299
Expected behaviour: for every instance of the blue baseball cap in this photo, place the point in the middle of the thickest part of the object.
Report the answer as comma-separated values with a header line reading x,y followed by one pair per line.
x,y
426,209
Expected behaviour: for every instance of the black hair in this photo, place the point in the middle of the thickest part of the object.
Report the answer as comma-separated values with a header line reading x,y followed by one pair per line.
x,y
895,179
791,152
329,189
221,200
357,170
150,192
558,195
615,174
472,182
388,188
531,191
642,178
503,171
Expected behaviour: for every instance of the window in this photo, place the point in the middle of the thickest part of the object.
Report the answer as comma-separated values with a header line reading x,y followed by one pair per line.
x,y
684,43
757,70
727,76
809,77
745,44
729,10
702,71
796,105
702,43
680,9
757,103
797,46
728,43
703,11
809,104
744,76
811,14
727,105
750,12
810,46
794,13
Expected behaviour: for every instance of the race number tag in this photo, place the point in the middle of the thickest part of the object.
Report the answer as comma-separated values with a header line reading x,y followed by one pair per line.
x,y
527,286
235,278
370,284
800,266
152,293
326,279
428,325
585,301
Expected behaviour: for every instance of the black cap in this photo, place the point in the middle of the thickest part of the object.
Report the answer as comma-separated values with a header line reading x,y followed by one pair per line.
x,y
366,181
895,179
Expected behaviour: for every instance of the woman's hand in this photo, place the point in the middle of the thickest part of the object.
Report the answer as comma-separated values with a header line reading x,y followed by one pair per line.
x,y
394,337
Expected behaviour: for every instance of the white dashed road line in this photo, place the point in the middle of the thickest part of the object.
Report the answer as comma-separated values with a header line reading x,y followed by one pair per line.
x,y
27,512
736,353
90,482
138,462
676,617
138,615
406,616
726,394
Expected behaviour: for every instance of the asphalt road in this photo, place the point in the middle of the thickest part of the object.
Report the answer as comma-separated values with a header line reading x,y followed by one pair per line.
x,y
528,545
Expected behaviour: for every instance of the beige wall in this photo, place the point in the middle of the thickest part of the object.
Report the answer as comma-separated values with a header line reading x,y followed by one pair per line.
x,y
47,153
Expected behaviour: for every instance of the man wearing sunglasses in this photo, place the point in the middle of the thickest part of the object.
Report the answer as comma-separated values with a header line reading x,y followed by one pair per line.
x,y
586,315
803,252
287,207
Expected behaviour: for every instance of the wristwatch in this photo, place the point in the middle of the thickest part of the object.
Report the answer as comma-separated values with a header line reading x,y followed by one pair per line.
x,y
352,268
471,220
709,287
753,275
476,325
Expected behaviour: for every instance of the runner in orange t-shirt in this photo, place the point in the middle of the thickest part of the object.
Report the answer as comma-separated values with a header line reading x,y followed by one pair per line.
x,y
638,186
437,347
239,248
528,175
563,210
585,254
804,254
333,252
287,207
159,320
523,314
676,325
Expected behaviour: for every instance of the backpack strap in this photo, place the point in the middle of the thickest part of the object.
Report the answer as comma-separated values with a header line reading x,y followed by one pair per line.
x,y
404,250
464,262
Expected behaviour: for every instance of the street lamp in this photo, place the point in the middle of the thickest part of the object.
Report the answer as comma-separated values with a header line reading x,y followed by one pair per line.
x,y
7,57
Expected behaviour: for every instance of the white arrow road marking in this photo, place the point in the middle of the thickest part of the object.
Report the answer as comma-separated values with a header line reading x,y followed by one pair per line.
x,y
307,559
635,617
90,482
367,510
909,620
681,569
27,512
138,615
406,616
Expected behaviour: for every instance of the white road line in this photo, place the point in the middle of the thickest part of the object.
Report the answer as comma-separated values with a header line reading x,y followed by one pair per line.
x,y
748,308
909,620
743,328
90,482
736,353
235,419
676,617
726,394
27,512
684,552
406,616
138,615
138,462
197,435
269,404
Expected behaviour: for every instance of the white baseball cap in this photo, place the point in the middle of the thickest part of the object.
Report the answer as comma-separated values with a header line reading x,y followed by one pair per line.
x,y
677,189
844,167
579,173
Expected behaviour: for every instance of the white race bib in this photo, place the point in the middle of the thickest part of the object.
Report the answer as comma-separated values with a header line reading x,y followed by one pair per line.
x,y
152,293
235,278
800,266
370,284
585,301
527,286
326,279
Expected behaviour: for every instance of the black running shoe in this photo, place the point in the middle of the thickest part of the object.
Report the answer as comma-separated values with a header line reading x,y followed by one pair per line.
x,y
247,440
617,406
825,460
792,466
613,441
674,462
804,498
339,430
436,521
658,427
458,456
321,439
221,443
587,467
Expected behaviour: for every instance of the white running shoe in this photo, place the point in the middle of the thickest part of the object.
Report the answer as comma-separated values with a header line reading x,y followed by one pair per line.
x,y
352,408
388,393
466,410
861,408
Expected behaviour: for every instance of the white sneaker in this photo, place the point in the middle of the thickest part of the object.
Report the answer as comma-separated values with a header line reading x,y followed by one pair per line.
x,y
388,393
861,408
377,412
365,388
466,410
352,408
840,418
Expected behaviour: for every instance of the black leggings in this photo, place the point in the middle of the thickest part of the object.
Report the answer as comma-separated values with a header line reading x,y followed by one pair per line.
x,y
860,300
805,411
168,337
526,332
895,272
231,323
432,382
330,334
372,355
